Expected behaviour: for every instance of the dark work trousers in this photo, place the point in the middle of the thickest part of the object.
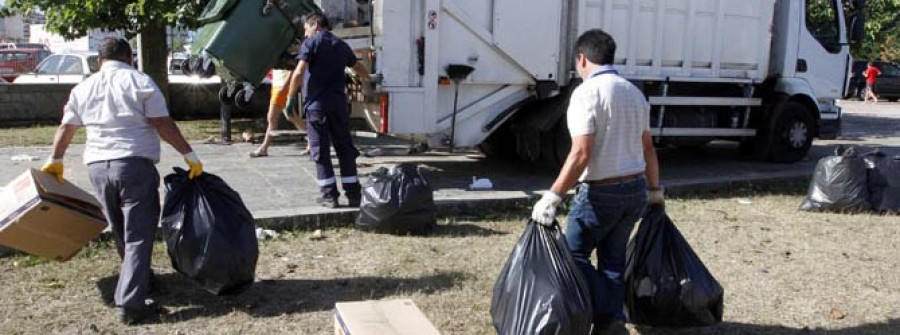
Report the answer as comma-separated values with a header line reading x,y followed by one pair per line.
x,y
601,220
128,189
329,127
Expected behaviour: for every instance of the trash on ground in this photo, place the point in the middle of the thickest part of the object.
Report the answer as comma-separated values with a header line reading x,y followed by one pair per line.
x,y
837,314
210,233
265,234
381,317
317,235
540,290
744,201
838,184
397,200
666,284
481,184
883,181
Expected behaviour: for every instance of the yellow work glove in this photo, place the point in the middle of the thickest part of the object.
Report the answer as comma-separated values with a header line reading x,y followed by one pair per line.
x,y
55,167
194,163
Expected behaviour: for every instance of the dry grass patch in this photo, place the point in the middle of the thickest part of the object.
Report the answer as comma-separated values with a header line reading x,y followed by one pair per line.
x,y
782,270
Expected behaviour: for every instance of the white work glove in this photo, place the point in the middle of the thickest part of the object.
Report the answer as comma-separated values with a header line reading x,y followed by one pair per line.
x,y
544,211
656,197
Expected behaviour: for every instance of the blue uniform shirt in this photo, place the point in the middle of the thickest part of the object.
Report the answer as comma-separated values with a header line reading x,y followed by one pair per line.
x,y
324,84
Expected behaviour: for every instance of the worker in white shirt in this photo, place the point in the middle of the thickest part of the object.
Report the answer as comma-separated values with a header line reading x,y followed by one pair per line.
x,y
125,115
614,164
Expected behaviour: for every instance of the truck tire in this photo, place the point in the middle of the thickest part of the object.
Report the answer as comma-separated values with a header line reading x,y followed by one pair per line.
x,y
791,133
501,144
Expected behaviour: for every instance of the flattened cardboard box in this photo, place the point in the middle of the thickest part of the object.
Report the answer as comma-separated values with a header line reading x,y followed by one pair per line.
x,y
43,217
394,317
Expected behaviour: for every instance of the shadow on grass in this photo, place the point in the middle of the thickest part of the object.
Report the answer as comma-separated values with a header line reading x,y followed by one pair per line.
x,y
270,298
463,230
890,327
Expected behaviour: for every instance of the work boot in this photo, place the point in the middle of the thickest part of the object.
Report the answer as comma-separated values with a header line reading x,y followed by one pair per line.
x,y
134,316
330,202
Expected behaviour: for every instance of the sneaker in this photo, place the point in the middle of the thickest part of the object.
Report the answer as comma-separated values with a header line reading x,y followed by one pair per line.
x,y
330,202
133,316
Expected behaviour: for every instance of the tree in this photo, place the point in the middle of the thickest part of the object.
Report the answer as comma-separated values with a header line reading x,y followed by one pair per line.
x,y
146,19
882,30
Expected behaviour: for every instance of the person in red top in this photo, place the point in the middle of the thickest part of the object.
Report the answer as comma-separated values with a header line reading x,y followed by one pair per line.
x,y
870,73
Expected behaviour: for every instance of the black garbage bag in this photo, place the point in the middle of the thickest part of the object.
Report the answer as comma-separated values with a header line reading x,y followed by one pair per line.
x,y
666,284
397,200
210,234
540,289
883,181
839,184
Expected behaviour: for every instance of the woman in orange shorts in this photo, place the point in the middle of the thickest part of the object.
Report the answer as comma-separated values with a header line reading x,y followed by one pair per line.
x,y
280,82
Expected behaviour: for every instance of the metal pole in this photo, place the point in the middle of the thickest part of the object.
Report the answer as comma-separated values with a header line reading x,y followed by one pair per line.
x,y
453,118
226,123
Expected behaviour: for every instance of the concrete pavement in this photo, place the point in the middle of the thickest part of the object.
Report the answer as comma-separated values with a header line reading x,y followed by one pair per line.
x,y
280,189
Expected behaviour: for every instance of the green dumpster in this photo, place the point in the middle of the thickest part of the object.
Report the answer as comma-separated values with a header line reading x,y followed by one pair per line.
x,y
246,38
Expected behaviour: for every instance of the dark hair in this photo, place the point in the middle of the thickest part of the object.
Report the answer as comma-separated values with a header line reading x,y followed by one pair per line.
x,y
597,46
114,48
319,20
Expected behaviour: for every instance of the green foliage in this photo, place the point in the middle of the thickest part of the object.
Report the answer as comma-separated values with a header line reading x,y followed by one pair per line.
x,y
73,19
882,30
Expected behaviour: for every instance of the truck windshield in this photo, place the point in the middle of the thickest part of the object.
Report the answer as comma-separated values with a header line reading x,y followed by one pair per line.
x,y
822,22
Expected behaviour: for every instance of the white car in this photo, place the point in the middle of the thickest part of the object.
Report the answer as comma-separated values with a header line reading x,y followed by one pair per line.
x,y
63,68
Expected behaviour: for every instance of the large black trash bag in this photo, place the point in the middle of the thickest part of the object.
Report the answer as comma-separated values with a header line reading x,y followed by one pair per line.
x,y
397,200
839,184
540,289
884,181
210,234
666,284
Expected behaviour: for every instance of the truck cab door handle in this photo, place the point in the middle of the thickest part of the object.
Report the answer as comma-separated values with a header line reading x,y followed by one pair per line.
x,y
801,65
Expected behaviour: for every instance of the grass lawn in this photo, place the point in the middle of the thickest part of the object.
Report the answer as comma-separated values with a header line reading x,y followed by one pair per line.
x,y
195,130
783,271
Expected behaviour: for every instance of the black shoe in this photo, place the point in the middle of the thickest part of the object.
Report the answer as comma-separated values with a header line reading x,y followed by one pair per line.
x,y
353,202
156,286
328,202
133,316
613,327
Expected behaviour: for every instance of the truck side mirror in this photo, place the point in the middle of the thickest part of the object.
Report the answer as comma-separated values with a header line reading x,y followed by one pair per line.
x,y
857,28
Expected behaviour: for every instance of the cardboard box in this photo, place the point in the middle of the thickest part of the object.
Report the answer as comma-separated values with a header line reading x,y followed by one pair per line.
x,y
43,217
394,317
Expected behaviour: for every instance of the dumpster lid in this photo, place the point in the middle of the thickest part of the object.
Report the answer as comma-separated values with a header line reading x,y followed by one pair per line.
x,y
216,10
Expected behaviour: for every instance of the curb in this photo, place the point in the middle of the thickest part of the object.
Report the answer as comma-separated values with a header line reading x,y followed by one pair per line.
x,y
477,208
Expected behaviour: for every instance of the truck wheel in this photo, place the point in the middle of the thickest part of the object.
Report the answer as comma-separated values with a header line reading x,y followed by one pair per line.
x,y
243,99
501,144
563,142
791,133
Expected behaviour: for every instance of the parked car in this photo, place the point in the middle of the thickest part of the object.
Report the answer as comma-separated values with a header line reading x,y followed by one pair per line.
x,y
14,62
887,85
68,68
40,46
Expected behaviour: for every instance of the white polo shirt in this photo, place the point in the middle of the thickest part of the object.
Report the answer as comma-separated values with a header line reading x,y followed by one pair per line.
x,y
113,105
616,113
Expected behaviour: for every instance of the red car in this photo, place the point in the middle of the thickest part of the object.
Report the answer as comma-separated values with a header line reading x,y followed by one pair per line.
x,y
14,62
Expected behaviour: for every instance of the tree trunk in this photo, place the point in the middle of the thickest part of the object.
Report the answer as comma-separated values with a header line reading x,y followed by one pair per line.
x,y
152,55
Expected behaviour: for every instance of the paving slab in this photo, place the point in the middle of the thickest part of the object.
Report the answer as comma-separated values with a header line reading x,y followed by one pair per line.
x,y
280,189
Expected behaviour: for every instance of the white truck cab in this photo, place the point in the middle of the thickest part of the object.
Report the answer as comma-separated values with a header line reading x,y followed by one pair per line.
x,y
765,73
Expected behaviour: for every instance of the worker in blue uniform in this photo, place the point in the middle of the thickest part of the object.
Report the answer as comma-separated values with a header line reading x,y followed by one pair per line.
x,y
320,72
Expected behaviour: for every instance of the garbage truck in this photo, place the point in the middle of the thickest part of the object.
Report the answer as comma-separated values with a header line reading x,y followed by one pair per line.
x,y
496,74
